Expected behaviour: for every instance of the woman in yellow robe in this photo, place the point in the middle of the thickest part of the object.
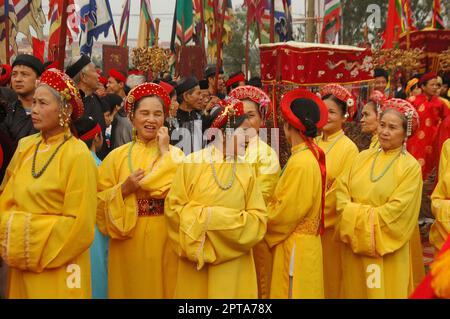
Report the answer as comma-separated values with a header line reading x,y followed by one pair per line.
x,y
266,166
378,202
133,182
215,214
340,153
48,199
440,201
296,209
369,118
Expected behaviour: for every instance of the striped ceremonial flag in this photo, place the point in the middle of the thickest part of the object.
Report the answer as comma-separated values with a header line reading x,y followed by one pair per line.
x,y
183,23
54,16
331,21
8,11
436,20
124,22
146,18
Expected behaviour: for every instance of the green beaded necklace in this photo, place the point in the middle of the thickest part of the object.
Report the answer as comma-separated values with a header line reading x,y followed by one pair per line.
x,y
44,168
377,178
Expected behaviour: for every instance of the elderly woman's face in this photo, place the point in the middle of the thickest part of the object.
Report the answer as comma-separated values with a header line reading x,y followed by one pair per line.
x,y
391,132
148,118
45,110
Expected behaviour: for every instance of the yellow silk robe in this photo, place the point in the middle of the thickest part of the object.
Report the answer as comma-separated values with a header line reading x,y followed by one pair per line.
x,y
292,230
266,167
213,230
140,265
47,223
374,143
340,154
376,223
440,200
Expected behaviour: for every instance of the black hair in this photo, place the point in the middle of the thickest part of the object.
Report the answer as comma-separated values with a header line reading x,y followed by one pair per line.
x,y
174,91
255,81
381,72
84,125
342,105
110,101
307,111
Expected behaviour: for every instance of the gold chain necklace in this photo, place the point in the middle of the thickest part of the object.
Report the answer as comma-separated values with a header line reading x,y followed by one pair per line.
x,y
334,143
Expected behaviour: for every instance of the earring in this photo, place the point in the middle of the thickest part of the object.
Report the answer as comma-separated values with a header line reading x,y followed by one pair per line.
x,y
61,120
404,146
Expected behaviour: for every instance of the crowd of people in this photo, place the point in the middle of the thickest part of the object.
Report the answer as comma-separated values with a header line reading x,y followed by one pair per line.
x,y
115,187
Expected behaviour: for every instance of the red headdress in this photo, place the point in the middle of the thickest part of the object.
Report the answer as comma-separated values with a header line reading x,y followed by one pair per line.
x,y
166,86
62,83
117,75
292,119
256,95
5,78
230,111
407,110
342,94
427,77
143,90
235,79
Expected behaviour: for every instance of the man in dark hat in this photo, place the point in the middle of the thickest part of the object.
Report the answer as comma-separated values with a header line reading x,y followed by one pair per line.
x,y
189,134
83,72
210,76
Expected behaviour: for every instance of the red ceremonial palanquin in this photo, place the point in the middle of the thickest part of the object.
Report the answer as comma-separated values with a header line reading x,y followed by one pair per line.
x,y
421,145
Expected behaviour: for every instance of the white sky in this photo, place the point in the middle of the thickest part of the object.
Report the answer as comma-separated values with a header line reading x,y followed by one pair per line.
x,y
162,9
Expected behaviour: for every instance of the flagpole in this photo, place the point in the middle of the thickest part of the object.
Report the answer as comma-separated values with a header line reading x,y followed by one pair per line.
x,y
202,21
63,35
272,22
219,46
7,31
247,44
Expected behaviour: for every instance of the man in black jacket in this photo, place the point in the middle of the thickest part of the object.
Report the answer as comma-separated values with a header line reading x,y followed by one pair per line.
x,y
82,70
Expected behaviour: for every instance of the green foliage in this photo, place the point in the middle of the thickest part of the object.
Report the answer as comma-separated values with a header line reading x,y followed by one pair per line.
x,y
234,52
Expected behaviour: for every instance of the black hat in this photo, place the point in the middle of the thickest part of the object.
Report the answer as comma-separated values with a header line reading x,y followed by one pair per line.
x,y
211,71
186,84
30,61
74,69
204,85
381,72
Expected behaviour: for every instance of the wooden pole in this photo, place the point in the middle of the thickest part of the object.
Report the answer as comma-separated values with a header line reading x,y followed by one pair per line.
x,y
219,46
7,31
310,22
63,36
202,22
148,33
247,45
272,21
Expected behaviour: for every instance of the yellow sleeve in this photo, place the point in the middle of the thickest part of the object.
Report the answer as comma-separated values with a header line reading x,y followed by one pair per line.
x,y
268,175
212,234
293,200
440,201
158,181
36,241
347,156
116,216
376,231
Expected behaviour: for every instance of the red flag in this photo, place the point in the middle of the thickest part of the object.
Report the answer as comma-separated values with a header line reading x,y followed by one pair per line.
x,y
393,25
38,49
